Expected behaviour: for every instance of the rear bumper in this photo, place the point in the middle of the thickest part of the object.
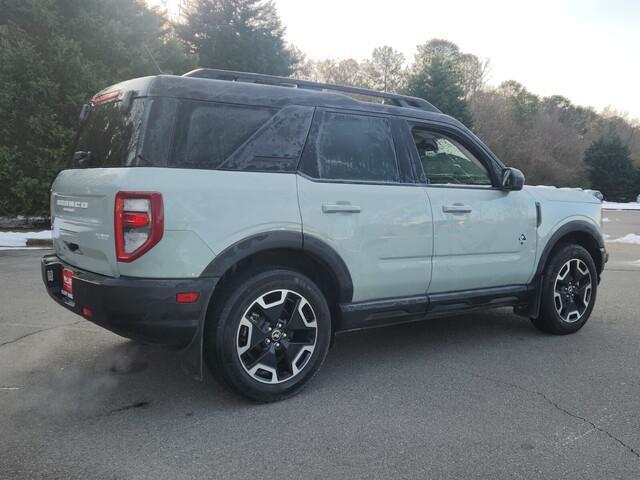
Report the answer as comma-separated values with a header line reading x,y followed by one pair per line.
x,y
141,309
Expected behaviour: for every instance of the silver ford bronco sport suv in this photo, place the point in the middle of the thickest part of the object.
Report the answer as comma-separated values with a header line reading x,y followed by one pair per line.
x,y
248,218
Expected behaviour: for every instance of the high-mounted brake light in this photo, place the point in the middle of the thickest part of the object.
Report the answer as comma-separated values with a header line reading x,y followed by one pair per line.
x,y
105,97
139,223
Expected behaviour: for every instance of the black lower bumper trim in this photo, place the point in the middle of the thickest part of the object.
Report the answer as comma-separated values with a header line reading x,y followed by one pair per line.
x,y
141,309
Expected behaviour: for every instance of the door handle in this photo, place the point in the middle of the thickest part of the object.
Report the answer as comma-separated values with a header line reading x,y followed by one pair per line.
x,y
456,208
340,208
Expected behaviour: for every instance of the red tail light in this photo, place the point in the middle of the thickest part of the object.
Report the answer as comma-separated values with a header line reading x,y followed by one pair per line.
x,y
135,219
139,223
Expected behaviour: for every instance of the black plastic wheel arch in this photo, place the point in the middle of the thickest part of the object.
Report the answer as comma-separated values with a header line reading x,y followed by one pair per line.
x,y
574,226
254,244
273,240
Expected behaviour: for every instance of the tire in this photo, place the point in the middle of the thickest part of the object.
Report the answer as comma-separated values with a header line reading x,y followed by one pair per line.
x,y
568,291
270,334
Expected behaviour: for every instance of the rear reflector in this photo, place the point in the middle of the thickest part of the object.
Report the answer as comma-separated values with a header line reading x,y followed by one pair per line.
x,y
86,312
187,297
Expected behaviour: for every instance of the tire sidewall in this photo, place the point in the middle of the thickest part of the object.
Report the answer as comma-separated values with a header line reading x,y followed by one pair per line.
x,y
548,302
244,294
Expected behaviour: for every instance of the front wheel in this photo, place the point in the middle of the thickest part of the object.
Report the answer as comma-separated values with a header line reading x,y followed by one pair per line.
x,y
568,291
270,336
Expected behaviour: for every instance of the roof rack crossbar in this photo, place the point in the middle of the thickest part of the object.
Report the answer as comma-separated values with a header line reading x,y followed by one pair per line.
x,y
393,98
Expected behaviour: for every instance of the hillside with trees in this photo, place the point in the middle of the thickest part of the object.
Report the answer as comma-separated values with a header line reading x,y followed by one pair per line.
x,y
54,55
546,137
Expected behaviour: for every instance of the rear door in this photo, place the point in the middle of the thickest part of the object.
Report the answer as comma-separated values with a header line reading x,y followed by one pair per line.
x,y
357,195
483,236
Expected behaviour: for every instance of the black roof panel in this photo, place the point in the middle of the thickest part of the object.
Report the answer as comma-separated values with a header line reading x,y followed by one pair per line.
x,y
276,96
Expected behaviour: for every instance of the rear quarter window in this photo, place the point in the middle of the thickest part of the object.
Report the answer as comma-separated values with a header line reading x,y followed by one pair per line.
x,y
277,145
207,133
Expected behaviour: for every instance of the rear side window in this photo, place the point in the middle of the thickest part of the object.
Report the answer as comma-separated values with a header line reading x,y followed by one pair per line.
x,y
110,133
207,133
277,145
350,147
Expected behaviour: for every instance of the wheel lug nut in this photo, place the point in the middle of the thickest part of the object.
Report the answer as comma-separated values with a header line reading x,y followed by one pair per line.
x,y
268,341
284,335
269,328
277,344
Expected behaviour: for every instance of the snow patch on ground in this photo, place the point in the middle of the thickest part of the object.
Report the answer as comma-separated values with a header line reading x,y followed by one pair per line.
x,y
14,240
620,206
629,238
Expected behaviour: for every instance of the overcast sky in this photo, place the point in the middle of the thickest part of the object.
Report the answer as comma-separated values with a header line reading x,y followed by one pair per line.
x,y
588,50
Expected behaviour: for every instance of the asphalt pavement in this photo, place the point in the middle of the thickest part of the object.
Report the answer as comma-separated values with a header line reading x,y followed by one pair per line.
x,y
476,396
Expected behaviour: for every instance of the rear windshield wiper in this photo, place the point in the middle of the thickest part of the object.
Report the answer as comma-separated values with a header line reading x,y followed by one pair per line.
x,y
144,159
82,159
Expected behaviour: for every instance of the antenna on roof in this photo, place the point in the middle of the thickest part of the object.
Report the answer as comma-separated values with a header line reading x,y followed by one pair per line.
x,y
153,59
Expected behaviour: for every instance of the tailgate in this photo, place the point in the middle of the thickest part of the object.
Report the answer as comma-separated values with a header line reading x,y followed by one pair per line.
x,y
82,203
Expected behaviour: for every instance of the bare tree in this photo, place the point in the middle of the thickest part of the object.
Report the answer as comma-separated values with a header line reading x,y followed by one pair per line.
x,y
474,73
342,72
540,141
385,70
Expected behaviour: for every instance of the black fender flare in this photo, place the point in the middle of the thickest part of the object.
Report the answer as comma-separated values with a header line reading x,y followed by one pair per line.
x,y
318,249
324,253
573,226
271,240
249,246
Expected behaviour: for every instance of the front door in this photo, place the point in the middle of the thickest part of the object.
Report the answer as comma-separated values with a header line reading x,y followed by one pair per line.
x,y
483,236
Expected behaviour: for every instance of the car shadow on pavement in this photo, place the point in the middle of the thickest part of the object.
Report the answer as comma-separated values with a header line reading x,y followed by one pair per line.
x,y
139,377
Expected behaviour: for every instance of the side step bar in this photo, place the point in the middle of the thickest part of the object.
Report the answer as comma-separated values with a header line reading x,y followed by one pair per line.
x,y
360,315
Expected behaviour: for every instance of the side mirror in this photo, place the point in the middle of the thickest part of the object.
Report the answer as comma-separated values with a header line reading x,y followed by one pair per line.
x,y
512,179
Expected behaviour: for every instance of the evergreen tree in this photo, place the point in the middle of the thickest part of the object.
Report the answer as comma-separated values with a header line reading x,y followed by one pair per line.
x,y
244,35
437,77
525,104
54,55
611,170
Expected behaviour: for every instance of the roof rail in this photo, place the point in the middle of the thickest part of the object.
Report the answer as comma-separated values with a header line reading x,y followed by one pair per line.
x,y
389,98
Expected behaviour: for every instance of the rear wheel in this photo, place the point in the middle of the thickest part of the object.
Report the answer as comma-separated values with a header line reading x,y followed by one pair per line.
x,y
568,291
269,336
